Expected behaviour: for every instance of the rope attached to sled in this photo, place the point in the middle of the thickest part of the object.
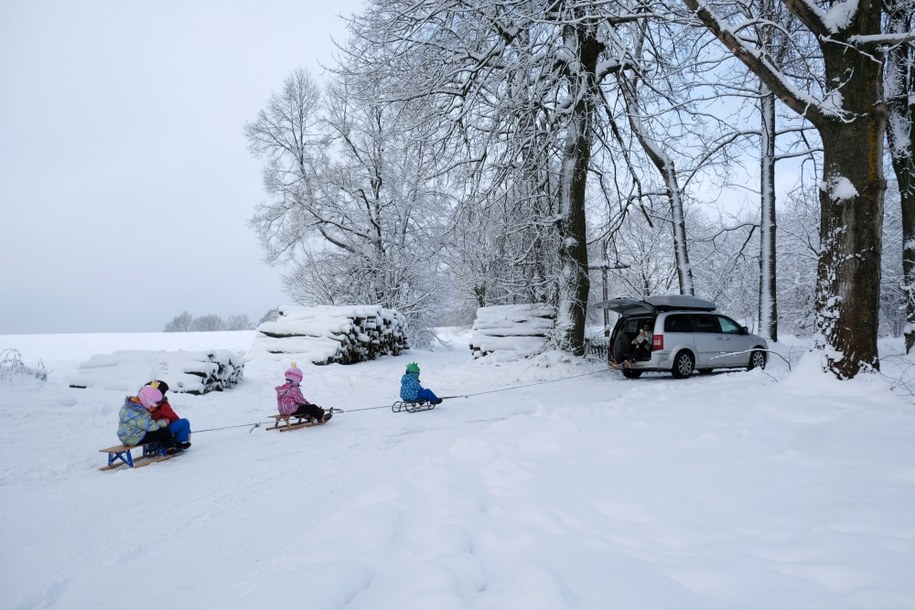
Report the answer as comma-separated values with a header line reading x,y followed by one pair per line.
x,y
253,426
257,424
526,385
516,387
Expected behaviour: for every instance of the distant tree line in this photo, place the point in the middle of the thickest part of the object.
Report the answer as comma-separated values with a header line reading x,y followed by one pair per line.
x,y
185,322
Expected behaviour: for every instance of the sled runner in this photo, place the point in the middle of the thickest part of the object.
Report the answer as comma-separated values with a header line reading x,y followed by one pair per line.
x,y
284,423
411,406
120,456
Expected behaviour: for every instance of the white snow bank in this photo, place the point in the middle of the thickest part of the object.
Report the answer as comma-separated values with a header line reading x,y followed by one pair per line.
x,y
195,372
550,483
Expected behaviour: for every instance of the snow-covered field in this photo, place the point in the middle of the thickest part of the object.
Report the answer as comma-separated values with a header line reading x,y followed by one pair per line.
x,y
547,487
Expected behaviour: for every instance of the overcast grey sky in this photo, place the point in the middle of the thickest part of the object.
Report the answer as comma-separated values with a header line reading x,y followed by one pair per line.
x,y
125,182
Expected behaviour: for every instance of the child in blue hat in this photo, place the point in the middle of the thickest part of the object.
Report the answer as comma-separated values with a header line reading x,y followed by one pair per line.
x,y
412,391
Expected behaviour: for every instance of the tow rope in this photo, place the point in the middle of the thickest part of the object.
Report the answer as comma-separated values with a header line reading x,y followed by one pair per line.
x,y
257,424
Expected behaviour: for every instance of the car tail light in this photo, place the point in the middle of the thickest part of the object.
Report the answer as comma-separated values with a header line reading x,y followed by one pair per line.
x,y
657,342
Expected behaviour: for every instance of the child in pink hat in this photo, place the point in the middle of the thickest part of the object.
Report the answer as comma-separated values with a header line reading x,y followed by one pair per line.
x,y
290,401
136,426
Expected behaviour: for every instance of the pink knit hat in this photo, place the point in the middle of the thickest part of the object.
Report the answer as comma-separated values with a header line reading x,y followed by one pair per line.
x,y
294,374
149,396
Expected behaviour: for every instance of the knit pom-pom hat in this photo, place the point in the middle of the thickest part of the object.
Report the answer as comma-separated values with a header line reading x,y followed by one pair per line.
x,y
149,396
293,373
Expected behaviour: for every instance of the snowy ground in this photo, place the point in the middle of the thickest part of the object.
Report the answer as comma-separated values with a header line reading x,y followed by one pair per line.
x,y
546,488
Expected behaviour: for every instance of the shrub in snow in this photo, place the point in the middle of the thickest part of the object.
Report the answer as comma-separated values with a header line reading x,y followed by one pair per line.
x,y
516,330
11,366
189,372
327,334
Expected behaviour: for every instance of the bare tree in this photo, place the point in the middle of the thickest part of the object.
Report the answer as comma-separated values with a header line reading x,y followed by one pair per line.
x,y
666,167
180,323
355,204
239,322
899,84
799,249
478,54
208,323
846,106
270,316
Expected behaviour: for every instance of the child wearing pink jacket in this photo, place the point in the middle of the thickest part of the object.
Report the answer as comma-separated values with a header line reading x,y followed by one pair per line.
x,y
289,399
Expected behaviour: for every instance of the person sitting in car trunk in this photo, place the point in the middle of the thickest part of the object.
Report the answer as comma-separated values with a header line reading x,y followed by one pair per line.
x,y
639,346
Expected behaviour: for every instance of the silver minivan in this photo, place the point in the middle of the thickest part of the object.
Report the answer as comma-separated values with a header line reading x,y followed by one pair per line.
x,y
687,334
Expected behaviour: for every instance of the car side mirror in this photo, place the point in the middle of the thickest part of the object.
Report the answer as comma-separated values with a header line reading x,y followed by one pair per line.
x,y
744,331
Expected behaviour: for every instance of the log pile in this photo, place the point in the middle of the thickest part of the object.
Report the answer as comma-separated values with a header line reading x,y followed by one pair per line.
x,y
327,334
190,372
513,331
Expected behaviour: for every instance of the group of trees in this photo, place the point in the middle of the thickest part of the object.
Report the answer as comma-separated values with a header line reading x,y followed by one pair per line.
x,y
494,151
185,322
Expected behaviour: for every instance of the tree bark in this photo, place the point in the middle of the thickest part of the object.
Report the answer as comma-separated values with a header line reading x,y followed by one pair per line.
x,y
665,166
900,89
768,299
574,283
851,229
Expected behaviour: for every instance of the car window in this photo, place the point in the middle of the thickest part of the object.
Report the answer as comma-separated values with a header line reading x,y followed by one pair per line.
x,y
705,324
676,324
634,325
729,326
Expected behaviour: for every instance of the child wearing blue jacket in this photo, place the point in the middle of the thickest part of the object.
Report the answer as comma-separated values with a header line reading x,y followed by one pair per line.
x,y
412,391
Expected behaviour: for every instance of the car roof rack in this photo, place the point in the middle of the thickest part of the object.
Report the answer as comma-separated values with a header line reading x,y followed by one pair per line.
x,y
666,302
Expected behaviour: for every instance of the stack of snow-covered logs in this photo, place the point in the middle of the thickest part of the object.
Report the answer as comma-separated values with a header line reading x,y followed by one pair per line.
x,y
327,334
193,372
515,331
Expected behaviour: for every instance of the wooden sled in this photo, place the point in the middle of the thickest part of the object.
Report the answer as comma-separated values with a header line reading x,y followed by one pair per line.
x,y
120,456
284,423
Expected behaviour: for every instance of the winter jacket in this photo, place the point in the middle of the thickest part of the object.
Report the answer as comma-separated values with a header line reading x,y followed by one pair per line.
x,y
409,386
644,336
134,422
289,397
164,411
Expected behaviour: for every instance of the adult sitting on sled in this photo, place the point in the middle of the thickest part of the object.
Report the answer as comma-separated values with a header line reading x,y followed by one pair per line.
x,y
412,391
136,426
289,399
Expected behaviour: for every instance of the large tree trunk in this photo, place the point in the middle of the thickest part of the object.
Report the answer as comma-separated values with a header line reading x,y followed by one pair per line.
x,y
574,282
851,121
768,300
851,208
900,88
848,270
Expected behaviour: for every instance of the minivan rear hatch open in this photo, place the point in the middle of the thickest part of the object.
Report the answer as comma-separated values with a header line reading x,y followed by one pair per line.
x,y
629,306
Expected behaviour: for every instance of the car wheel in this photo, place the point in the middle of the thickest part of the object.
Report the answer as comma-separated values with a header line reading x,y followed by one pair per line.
x,y
630,374
683,365
757,360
